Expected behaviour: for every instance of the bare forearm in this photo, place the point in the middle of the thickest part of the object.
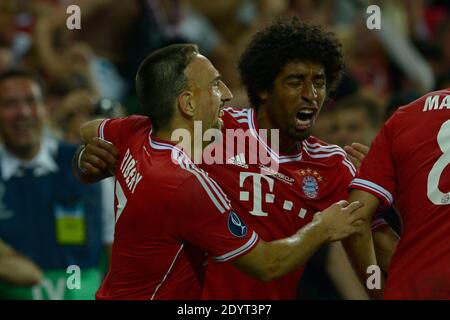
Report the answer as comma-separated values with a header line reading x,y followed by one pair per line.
x,y
271,260
288,254
385,241
334,223
45,49
360,247
343,275
361,253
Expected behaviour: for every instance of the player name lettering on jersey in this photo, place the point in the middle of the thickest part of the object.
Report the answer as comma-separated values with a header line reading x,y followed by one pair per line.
x,y
437,102
129,171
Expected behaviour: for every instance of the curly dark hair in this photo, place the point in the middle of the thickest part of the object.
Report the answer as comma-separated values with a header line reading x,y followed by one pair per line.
x,y
286,41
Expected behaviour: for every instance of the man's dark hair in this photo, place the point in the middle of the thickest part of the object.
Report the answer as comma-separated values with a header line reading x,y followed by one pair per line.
x,y
288,41
359,101
22,73
160,79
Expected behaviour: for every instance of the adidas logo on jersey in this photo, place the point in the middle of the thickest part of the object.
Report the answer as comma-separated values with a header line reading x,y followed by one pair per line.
x,y
238,160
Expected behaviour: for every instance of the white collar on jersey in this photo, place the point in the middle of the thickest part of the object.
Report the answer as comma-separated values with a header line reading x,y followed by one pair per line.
x,y
42,164
177,153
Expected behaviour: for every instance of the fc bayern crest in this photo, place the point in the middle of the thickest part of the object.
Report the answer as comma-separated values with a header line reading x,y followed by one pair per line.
x,y
310,187
310,183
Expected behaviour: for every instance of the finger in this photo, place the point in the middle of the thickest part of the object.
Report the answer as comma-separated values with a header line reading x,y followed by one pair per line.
x,y
106,145
91,169
357,219
362,148
106,156
355,205
103,154
349,149
359,223
94,161
342,203
101,143
358,155
354,152
359,216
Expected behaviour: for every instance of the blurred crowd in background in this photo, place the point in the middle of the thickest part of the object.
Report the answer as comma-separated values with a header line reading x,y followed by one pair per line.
x,y
92,70
89,73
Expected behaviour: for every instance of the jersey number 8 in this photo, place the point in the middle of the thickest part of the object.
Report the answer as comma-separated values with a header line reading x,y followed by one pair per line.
x,y
434,194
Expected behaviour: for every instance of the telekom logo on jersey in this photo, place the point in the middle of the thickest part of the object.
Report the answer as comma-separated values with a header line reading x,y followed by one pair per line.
x,y
259,196
210,146
257,192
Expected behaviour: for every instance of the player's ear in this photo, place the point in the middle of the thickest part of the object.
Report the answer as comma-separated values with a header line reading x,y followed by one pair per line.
x,y
186,103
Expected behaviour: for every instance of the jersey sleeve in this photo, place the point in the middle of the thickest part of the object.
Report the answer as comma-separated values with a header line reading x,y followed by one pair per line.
x,y
347,177
119,130
205,218
344,174
110,130
377,172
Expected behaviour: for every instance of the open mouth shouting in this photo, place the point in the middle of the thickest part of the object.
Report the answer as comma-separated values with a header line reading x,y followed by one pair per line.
x,y
304,118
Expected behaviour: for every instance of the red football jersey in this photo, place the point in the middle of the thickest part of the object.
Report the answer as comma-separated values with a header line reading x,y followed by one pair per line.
x,y
409,163
169,215
276,204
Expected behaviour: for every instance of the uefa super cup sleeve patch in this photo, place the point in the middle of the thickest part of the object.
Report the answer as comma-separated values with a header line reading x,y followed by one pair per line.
x,y
236,225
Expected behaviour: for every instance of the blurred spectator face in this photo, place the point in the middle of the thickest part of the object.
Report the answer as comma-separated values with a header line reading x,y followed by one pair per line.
x,y
76,108
6,59
351,125
324,126
22,115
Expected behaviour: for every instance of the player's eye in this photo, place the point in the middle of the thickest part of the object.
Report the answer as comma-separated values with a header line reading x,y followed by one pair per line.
x,y
294,83
320,83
